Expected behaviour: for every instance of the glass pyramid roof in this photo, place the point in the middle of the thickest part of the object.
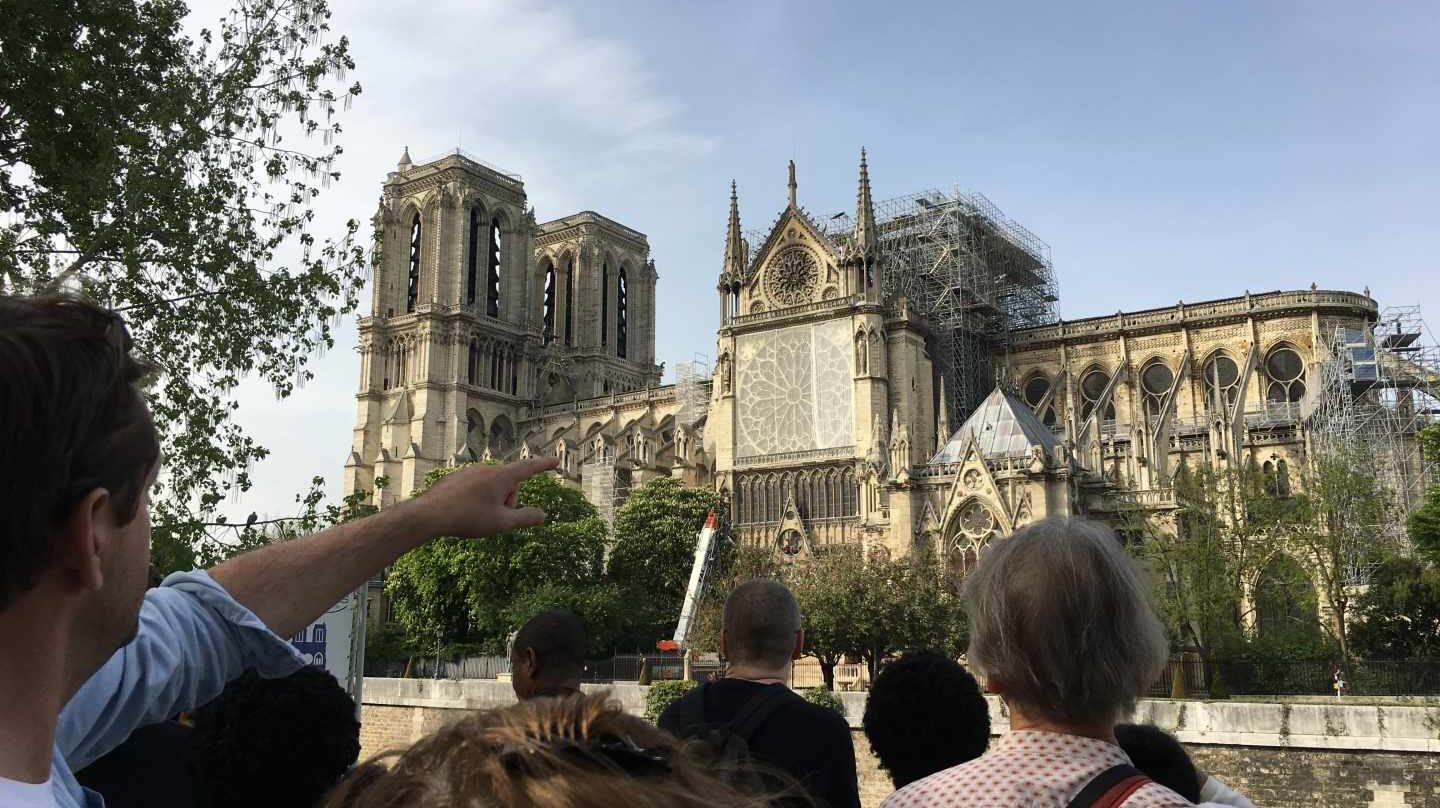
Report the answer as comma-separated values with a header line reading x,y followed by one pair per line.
x,y
1003,426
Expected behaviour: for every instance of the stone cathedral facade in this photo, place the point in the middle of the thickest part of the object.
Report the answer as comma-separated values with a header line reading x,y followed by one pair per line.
x,y
493,335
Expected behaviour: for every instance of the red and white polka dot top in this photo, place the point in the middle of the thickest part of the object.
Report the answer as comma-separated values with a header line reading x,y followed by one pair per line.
x,y
1030,769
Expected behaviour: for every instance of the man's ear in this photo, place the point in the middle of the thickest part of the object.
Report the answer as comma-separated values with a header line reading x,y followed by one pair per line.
x,y
529,661
799,650
83,542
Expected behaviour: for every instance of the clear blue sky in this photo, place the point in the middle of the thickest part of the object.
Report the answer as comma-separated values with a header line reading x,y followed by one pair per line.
x,y
1165,152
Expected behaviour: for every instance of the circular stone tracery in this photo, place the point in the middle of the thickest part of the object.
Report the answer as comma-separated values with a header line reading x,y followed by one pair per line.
x,y
792,276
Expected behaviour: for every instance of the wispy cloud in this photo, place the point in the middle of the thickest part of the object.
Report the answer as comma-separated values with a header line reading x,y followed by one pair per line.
x,y
521,84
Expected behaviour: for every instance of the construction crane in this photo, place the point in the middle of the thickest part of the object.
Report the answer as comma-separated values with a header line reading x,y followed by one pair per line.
x,y
699,569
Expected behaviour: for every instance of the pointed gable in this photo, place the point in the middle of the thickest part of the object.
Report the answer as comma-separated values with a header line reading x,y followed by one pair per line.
x,y
1002,426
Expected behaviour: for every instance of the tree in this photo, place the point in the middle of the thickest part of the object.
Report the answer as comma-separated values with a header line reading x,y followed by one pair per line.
x,y
907,604
1343,514
1203,555
654,549
829,591
460,590
1398,615
173,180
1424,522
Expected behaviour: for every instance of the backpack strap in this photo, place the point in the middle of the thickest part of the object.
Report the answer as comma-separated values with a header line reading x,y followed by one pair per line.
x,y
757,710
1110,788
689,712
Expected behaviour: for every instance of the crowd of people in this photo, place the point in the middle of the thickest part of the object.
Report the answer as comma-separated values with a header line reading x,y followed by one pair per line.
x,y
186,693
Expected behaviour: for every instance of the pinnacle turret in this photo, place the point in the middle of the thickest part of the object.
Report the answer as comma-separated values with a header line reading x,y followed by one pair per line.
x,y
734,245
865,230
405,163
793,203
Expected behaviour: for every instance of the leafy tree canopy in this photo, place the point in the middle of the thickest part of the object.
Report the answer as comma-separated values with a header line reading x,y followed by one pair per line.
x,y
1398,615
654,550
173,179
462,590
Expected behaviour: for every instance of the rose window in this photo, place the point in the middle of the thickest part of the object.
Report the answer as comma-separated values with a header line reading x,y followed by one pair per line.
x,y
792,276
976,522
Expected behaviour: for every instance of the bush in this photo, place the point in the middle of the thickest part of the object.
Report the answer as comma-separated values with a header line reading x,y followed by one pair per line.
x,y
663,694
824,698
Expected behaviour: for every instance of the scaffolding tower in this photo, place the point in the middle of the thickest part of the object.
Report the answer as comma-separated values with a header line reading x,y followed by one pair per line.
x,y
975,275
1377,387
692,394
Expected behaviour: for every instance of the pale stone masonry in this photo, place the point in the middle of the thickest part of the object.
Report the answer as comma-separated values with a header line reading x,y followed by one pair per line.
x,y
828,422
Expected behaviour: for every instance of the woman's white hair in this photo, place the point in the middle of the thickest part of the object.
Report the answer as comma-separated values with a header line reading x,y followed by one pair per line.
x,y
1059,617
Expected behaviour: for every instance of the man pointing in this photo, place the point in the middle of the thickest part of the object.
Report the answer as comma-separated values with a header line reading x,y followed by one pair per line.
x,y
86,654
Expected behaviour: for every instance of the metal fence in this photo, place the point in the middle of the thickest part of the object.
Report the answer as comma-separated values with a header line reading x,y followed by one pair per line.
x,y
1298,677
618,668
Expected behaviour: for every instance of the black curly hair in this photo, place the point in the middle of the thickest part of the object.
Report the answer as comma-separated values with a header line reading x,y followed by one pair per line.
x,y
1160,757
925,714
280,743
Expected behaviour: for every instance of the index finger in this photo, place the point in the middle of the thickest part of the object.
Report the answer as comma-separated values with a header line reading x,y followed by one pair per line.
x,y
524,469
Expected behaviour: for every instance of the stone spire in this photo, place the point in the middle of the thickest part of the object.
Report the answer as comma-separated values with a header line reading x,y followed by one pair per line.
x,y
792,185
405,163
865,229
734,245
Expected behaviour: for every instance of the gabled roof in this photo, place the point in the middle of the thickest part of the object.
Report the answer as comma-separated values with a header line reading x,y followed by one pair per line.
x,y
1003,426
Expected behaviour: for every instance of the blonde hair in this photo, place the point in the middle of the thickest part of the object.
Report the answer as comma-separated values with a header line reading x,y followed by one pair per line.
x,y
569,752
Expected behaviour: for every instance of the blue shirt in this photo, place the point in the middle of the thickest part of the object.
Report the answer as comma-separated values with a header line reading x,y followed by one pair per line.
x,y
193,638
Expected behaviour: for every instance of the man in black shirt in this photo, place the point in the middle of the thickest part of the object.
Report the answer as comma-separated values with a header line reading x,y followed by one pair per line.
x,y
761,638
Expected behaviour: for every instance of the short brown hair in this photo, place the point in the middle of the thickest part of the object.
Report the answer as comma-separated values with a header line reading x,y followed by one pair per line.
x,y
579,750
760,621
72,419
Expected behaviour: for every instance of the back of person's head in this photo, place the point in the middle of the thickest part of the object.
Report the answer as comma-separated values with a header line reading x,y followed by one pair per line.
x,y
1159,756
75,425
925,713
761,624
1061,625
576,751
281,743
548,654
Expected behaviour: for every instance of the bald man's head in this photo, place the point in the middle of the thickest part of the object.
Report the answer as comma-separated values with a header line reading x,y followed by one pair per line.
x,y
761,621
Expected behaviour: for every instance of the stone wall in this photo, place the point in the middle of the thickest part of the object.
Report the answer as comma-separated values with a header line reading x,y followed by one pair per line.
x,y
1317,755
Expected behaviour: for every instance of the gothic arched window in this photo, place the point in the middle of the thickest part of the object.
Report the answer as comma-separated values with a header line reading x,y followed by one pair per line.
x,y
622,292
604,303
492,282
1286,372
472,264
1092,389
472,367
1155,382
548,306
569,298
412,288
1035,390
1222,380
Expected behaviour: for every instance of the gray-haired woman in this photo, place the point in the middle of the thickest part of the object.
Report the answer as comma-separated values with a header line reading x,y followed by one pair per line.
x,y
1061,629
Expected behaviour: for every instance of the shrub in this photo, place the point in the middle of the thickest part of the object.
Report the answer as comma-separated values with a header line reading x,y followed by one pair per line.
x,y
663,694
824,698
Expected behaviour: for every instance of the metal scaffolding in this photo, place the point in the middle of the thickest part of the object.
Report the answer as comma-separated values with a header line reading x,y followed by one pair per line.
x,y
692,395
976,276
1376,388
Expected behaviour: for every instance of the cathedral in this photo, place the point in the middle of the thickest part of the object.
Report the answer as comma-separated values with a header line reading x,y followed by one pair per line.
x,y
894,380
